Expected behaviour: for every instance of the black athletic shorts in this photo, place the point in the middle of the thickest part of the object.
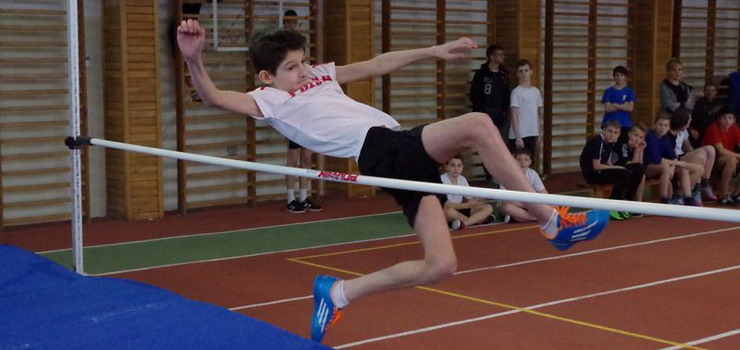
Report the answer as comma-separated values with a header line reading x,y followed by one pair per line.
x,y
293,145
400,155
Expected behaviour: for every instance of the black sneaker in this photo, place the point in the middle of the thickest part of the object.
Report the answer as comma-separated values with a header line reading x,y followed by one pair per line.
x,y
727,200
310,206
296,207
489,220
736,198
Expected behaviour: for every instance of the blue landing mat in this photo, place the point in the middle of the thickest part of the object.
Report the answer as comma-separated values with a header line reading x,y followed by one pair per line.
x,y
46,306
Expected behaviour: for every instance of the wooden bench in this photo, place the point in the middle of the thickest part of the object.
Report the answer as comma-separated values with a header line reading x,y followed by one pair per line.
x,y
604,191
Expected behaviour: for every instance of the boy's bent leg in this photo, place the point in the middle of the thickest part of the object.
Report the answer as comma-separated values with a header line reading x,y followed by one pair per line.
x,y
479,215
518,213
439,262
446,138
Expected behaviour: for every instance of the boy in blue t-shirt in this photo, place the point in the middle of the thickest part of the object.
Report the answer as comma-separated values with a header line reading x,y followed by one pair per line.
x,y
619,101
661,162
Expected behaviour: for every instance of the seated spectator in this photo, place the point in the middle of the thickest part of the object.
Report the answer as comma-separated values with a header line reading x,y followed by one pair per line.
x,y
700,160
661,162
631,152
724,135
705,113
597,167
467,211
516,211
734,95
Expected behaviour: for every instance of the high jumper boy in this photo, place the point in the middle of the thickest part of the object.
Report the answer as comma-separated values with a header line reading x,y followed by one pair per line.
x,y
306,104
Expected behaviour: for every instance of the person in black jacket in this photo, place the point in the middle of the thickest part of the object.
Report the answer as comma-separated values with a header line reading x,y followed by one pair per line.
x,y
597,167
489,91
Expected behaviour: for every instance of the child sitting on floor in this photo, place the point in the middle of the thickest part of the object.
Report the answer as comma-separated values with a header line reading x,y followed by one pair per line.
x,y
463,211
516,211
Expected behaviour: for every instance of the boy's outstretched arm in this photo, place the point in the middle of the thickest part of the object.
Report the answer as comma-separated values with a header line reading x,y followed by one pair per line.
x,y
190,39
391,61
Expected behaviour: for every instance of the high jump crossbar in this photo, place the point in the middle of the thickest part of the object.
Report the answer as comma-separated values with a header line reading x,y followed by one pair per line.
x,y
488,193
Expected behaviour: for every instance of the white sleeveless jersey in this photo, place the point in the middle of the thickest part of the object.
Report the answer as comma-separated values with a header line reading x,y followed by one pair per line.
x,y
319,116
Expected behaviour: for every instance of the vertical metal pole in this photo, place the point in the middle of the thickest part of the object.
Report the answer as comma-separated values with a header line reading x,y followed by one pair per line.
x,y
280,14
214,4
74,108
549,62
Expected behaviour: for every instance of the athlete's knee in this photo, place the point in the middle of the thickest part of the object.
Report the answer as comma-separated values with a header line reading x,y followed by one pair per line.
x,y
440,268
482,127
483,121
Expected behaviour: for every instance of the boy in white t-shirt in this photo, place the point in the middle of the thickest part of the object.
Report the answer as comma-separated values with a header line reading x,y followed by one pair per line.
x,y
307,105
700,161
526,111
463,211
517,211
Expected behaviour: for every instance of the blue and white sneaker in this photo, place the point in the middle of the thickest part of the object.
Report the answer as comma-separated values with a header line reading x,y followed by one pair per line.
x,y
576,227
325,313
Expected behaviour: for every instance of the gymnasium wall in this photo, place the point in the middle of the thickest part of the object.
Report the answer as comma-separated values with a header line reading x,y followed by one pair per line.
x,y
589,37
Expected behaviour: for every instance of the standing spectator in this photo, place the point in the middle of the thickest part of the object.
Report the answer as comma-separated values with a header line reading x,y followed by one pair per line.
x,y
489,91
516,211
597,167
298,156
674,92
290,20
661,161
463,211
705,113
619,102
700,160
724,135
526,111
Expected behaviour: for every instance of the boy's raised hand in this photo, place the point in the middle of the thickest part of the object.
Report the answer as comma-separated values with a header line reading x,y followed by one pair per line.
x,y
455,49
191,38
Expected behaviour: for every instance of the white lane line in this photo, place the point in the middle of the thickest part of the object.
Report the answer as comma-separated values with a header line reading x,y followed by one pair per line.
x,y
270,303
220,232
540,259
533,307
597,250
413,234
250,255
705,340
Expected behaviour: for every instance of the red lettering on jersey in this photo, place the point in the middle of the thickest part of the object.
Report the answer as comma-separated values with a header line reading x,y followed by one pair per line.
x,y
315,81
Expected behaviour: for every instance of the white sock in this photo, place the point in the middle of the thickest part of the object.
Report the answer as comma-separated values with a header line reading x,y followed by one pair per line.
x,y
337,295
303,193
551,227
291,195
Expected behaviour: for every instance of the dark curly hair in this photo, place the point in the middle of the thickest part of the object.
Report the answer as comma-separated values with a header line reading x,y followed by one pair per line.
x,y
271,45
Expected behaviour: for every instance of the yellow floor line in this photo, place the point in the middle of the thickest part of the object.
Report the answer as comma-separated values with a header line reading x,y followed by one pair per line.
x,y
512,307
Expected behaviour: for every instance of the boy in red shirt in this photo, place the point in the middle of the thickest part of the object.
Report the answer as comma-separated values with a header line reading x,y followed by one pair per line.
x,y
724,135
